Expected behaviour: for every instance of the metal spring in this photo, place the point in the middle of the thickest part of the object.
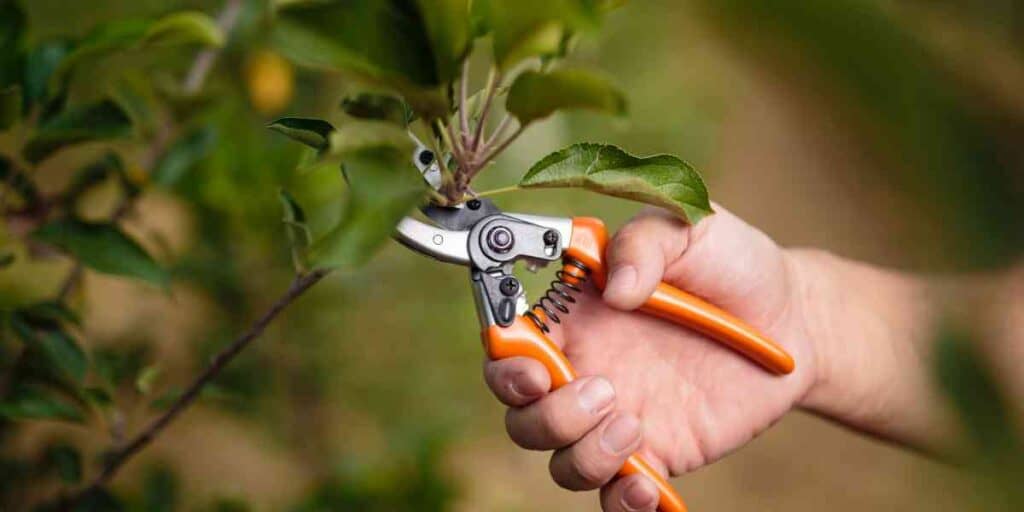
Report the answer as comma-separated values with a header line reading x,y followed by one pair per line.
x,y
557,298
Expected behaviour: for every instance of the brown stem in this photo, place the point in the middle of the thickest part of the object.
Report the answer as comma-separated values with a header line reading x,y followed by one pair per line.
x,y
299,285
463,97
501,147
204,61
493,79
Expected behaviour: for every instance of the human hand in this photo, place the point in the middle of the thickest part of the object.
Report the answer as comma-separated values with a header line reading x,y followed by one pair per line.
x,y
679,398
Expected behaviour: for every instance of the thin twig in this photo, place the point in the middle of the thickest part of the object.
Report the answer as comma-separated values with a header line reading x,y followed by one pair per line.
x,y
463,98
299,285
498,131
493,79
501,147
496,191
204,61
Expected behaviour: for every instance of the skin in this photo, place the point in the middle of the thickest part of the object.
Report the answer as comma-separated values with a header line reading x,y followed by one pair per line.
x,y
860,337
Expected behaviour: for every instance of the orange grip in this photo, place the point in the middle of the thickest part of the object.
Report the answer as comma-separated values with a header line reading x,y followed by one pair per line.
x,y
677,306
523,338
589,239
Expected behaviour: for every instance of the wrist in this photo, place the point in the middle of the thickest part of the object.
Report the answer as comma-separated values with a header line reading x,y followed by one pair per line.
x,y
870,333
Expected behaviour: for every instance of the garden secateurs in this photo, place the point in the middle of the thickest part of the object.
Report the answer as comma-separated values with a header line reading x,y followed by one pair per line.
x,y
489,242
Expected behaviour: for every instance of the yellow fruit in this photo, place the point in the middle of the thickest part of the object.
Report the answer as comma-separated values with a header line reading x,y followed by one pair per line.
x,y
271,82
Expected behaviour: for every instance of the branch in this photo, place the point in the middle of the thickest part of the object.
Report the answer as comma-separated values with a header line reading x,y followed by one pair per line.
x,y
201,67
299,285
493,80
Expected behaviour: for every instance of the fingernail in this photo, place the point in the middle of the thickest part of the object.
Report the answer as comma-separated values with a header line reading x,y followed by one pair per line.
x,y
596,394
638,496
621,279
524,387
620,434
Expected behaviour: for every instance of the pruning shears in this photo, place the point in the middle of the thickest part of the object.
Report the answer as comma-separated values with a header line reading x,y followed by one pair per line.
x,y
489,242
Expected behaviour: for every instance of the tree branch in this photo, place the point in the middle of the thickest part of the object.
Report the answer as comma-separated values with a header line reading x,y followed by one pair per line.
x,y
204,61
299,285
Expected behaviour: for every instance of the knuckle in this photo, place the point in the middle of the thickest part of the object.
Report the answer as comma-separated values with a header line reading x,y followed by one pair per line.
x,y
555,426
587,470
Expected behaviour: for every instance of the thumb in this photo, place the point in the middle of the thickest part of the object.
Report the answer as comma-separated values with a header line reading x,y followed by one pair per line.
x,y
638,255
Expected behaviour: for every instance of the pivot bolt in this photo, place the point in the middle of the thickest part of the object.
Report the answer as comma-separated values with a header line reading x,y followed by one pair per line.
x,y
500,239
426,157
509,286
551,237
473,204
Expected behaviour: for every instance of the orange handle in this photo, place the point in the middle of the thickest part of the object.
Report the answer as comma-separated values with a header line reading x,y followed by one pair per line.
x,y
524,339
589,239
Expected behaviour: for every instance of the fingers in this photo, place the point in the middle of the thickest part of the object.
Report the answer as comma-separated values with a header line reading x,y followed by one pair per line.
x,y
592,461
517,381
638,255
561,417
634,493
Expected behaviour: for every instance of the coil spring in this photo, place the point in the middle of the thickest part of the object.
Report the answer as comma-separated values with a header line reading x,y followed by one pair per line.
x,y
557,298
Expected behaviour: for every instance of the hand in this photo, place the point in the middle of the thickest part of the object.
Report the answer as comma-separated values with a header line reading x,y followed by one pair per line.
x,y
679,398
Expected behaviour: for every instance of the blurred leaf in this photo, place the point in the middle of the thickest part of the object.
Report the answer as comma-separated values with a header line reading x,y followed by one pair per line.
x,y
384,186
10,106
18,181
99,500
661,180
6,259
299,237
383,40
359,135
116,366
982,406
94,174
529,28
174,29
382,107
447,26
48,312
147,377
314,133
95,121
104,248
98,397
187,27
184,155
136,96
536,95
28,403
160,490
42,62
12,42
59,348
66,460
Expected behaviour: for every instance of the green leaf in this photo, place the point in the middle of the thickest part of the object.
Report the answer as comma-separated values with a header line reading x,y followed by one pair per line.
x,y
49,312
137,97
32,403
314,133
447,26
147,377
184,155
359,135
18,181
12,42
661,180
187,27
104,248
93,174
385,41
537,95
299,235
179,28
982,406
95,121
59,348
117,366
161,490
384,187
40,66
381,107
10,106
530,28
66,460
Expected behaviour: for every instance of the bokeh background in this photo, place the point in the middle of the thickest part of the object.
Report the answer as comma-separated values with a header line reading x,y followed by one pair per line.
x,y
890,132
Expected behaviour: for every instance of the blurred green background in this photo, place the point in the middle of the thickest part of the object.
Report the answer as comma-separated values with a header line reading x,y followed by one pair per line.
x,y
891,132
